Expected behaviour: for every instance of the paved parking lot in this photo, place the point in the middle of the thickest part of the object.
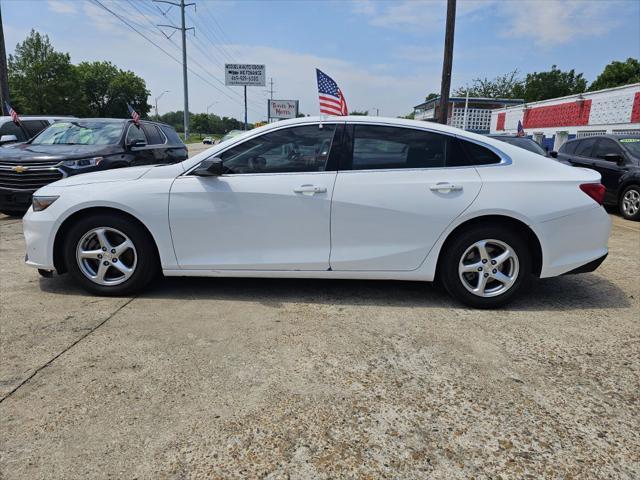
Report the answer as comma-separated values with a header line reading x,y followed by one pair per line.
x,y
301,379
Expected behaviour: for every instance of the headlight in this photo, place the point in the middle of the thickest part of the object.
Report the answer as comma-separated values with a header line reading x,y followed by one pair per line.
x,y
83,162
42,203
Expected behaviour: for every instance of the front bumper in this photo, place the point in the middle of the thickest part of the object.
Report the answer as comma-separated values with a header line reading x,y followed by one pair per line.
x,y
15,199
39,234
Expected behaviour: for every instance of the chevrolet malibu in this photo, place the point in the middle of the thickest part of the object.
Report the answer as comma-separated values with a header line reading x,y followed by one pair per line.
x,y
329,197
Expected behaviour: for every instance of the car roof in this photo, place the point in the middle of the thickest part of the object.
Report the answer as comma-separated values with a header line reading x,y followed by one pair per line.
x,y
612,136
114,120
4,118
509,136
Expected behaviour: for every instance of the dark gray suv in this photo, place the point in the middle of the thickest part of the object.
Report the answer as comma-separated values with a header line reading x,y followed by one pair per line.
x,y
617,159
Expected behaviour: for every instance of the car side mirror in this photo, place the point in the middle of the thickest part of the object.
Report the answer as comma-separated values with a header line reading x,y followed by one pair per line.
x,y
211,167
553,154
8,139
136,144
614,158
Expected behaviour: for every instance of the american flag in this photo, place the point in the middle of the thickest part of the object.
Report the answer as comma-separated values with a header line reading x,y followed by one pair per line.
x,y
12,112
134,114
520,129
331,99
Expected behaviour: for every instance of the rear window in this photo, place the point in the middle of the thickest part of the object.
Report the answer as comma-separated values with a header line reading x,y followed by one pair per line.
x,y
171,135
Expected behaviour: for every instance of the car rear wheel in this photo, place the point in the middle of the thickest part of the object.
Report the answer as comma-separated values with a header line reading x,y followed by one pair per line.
x,y
110,255
630,203
485,267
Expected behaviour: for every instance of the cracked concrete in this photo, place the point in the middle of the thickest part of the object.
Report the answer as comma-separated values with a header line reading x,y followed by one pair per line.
x,y
235,378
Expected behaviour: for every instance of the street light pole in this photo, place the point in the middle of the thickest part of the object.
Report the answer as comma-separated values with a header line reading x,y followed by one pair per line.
x,y
211,105
158,98
447,63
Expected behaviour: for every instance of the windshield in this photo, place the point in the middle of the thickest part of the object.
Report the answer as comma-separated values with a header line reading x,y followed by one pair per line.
x,y
80,133
632,144
231,134
525,143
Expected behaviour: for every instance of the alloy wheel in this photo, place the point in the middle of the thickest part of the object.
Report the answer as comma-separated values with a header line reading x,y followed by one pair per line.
x,y
631,202
488,268
106,256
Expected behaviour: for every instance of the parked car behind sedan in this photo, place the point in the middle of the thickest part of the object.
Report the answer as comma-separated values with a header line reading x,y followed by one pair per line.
x,y
207,140
617,159
522,142
76,146
28,127
342,198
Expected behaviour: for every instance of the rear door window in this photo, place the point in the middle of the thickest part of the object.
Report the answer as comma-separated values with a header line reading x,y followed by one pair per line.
x,y
381,147
172,136
154,136
585,147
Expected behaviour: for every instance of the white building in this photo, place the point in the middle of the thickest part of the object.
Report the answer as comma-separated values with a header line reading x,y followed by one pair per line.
x,y
553,122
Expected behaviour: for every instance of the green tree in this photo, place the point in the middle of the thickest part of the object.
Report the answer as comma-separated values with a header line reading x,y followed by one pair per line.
x,y
617,73
431,96
41,80
502,86
552,84
106,90
361,113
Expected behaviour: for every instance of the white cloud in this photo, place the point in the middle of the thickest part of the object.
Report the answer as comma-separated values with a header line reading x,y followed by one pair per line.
x,y
60,6
556,22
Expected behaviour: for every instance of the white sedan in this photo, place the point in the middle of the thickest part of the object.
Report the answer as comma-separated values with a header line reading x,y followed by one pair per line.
x,y
329,197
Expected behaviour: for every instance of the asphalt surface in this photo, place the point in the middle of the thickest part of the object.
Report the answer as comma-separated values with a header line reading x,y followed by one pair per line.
x,y
238,378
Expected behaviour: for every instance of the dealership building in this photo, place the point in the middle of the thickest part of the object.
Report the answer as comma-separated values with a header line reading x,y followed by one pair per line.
x,y
553,122
478,111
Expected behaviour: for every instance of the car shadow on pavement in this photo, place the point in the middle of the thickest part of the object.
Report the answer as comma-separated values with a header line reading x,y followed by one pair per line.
x,y
561,293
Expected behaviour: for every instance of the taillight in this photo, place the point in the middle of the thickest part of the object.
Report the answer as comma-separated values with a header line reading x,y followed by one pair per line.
x,y
594,190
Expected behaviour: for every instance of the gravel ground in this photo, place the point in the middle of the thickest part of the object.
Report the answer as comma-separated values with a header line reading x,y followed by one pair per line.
x,y
224,378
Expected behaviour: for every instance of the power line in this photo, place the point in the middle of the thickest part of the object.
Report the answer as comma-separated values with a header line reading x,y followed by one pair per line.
x,y
132,27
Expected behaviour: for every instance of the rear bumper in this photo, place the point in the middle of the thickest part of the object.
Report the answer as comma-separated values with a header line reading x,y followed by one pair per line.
x,y
588,267
574,242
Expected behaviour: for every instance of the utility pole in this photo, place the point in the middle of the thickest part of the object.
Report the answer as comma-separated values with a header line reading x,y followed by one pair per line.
x,y
245,107
447,63
270,98
4,77
183,29
158,98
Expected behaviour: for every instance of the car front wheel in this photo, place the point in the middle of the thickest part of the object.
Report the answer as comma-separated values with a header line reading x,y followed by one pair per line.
x,y
485,267
110,255
630,203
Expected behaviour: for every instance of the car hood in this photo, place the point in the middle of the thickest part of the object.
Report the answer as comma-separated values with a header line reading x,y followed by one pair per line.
x,y
116,175
27,152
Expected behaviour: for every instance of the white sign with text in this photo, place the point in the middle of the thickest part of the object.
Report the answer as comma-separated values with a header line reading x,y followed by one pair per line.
x,y
282,109
239,74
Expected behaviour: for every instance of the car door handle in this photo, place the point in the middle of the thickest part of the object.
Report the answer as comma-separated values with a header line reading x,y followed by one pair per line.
x,y
445,187
309,189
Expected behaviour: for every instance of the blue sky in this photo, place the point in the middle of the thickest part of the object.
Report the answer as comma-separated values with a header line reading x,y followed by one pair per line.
x,y
383,54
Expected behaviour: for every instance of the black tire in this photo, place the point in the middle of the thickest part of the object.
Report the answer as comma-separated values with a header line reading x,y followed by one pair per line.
x,y
448,267
14,213
147,265
630,212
